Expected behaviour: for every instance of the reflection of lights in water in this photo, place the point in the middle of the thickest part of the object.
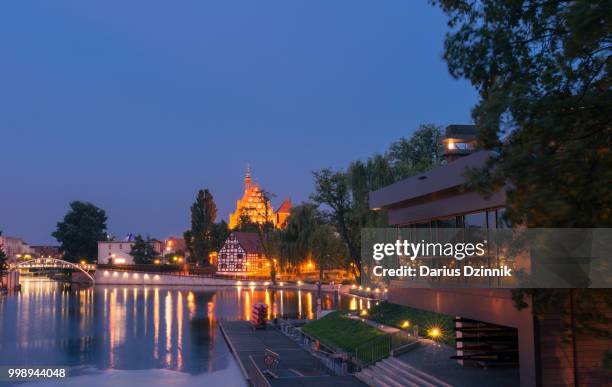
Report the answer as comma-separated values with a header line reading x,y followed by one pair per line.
x,y
179,324
247,306
309,305
360,303
268,302
282,306
135,310
168,321
191,305
156,323
116,325
299,304
353,304
146,307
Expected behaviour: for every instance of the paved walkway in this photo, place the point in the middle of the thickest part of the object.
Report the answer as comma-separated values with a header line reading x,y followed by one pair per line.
x,y
379,326
434,359
296,367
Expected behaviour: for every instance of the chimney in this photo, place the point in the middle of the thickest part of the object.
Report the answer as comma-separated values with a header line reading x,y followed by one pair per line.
x,y
459,141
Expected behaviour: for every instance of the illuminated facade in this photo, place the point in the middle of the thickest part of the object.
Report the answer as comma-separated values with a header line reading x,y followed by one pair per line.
x,y
241,253
254,205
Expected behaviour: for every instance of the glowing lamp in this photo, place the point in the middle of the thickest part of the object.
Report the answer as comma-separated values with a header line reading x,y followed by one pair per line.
x,y
434,332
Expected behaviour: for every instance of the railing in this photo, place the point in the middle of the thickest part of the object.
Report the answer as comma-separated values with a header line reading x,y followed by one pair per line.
x,y
257,378
325,358
163,269
379,348
372,351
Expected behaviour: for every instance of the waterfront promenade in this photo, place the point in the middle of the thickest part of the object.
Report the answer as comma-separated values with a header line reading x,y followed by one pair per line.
x,y
296,366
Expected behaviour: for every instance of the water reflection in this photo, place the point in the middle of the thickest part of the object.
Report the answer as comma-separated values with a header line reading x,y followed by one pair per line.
x,y
131,328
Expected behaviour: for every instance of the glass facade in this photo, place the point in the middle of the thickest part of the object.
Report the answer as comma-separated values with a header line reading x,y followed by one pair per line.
x,y
483,220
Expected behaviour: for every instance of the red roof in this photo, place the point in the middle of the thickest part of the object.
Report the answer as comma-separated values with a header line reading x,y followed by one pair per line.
x,y
249,241
285,207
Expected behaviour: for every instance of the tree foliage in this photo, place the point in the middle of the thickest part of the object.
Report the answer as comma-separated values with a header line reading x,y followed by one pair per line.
x,y
80,230
296,238
201,240
328,249
345,194
3,259
542,71
142,250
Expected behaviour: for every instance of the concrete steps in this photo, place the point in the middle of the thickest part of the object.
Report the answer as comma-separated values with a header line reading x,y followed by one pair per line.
x,y
392,372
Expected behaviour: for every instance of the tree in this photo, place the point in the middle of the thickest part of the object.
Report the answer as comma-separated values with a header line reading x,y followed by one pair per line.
x,y
83,226
203,215
296,238
268,235
332,190
420,152
328,250
188,237
542,71
142,250
3,260
220,234
246,225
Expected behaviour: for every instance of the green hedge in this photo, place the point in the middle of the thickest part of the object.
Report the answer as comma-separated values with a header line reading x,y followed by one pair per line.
x,y
395,315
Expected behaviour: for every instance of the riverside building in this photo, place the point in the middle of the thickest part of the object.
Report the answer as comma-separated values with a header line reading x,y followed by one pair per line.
x,y
490,331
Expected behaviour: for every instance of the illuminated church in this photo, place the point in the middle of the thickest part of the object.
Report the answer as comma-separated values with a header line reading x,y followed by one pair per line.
x,y
255,207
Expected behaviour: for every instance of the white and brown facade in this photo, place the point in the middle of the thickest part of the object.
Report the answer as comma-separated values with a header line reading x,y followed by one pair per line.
x,y
241,253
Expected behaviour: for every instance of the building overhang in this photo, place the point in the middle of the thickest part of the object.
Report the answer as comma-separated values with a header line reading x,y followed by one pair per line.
x,y
445,178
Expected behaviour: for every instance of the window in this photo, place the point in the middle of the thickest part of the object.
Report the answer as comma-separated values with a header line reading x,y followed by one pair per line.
x,y
476,220
240,256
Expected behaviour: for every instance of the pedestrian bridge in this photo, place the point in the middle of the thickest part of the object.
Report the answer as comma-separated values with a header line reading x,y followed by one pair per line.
x,y
54,263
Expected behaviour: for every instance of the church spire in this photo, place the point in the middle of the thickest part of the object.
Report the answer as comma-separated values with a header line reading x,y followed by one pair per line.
x,y
247,177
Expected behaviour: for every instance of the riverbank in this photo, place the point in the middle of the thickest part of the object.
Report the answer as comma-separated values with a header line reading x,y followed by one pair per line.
x,y
295,366
122,277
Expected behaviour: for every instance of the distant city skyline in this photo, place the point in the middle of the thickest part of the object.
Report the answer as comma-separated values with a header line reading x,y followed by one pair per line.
x,y
135,106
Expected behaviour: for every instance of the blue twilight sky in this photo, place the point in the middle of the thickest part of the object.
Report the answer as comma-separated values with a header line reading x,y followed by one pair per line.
x,y
135,105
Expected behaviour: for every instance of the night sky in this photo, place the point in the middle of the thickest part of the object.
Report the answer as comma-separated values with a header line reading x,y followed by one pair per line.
x,y
135,105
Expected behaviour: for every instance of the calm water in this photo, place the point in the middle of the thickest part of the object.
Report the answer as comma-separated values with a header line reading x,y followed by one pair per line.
x,y
136,335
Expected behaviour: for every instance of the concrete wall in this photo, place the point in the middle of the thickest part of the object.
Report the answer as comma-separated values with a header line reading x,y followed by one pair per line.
x,y
488,305
118,277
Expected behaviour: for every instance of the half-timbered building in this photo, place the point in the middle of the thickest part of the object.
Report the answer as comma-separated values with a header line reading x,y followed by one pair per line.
x,y
241,253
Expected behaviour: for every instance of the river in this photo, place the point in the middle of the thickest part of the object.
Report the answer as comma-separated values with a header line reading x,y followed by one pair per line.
x,y
131,336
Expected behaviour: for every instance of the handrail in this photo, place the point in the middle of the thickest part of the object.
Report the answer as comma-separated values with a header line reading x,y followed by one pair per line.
x,y
69,264
257,378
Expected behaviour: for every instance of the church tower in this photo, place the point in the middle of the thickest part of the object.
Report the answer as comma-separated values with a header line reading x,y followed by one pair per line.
x,y
257,207
247,178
